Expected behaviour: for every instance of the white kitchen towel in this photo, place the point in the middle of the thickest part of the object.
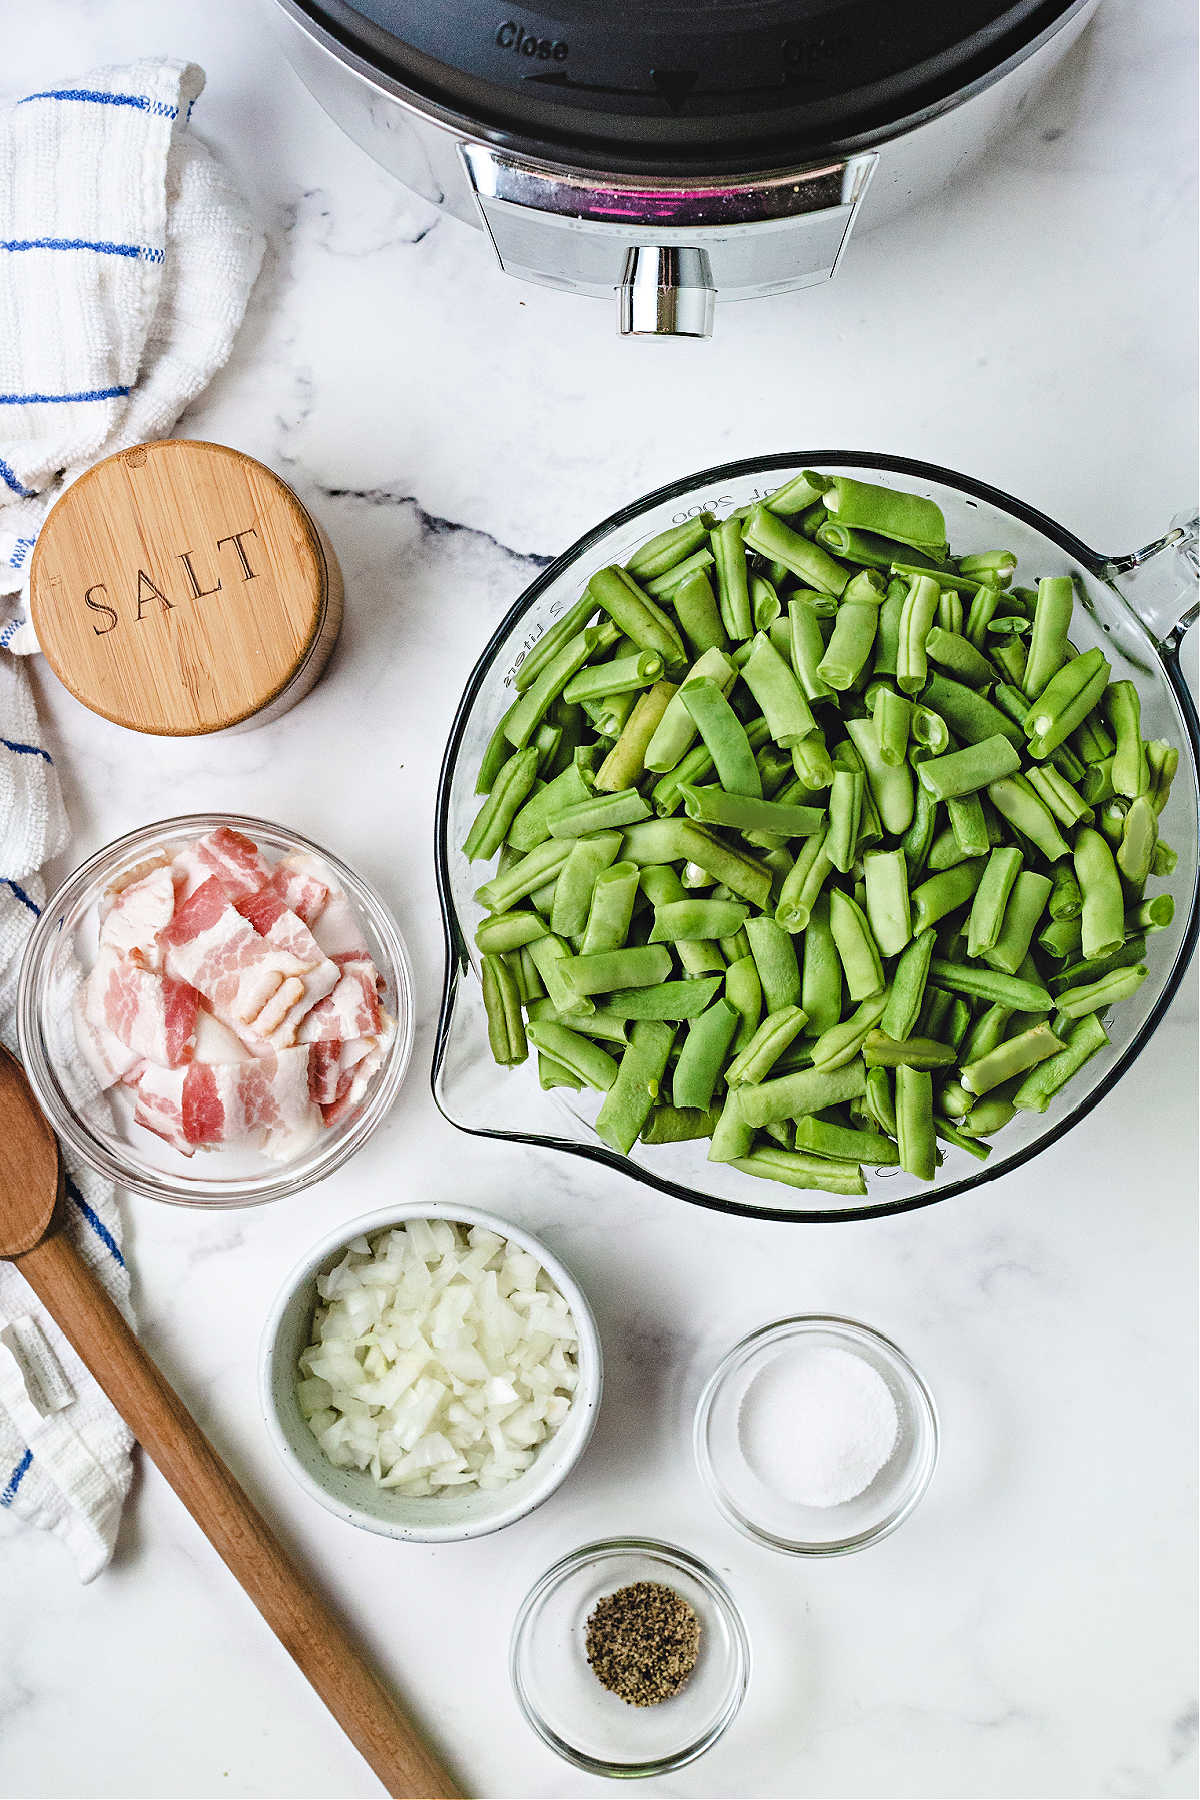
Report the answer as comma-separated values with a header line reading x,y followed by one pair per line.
x,y
126,259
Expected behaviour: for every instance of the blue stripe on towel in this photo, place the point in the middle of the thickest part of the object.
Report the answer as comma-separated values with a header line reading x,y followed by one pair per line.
x,y
140,252
10,481
9,1493
22,896
26,749
112,393
19,549
10,631
96,1222
140,102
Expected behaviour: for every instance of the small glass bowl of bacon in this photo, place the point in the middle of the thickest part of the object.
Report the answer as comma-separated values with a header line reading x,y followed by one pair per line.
x,y
215,1011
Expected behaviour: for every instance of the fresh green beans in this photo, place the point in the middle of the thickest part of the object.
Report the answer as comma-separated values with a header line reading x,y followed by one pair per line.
x,y
890,785
786,879
1065,701
1103,900
854,627
1012,1057
713,806
675,732
604,971
611,908
628,1102
907,518
599,812
637,615
772,1038
991,985
733,590
798,1170
724,737
916,617
510,790
1048,1078
991,898
702,1058
767,534
842,1144
914,1122
1026,904
856,947
886,876
807,1091
573,890
682,919
775,959
1130,770
883,1052
966,771
586,1060
1015,800
626,761
1095,996
665,1000
951,651
505,1023
1048,642
945,893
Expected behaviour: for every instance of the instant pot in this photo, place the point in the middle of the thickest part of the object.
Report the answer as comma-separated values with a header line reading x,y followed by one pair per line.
x,y
673,150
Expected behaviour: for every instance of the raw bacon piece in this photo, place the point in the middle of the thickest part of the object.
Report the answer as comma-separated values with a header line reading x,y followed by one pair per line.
x,y
331,1067
281,926
215,1043
352,1010
136,916
157,859
209,944
336,928
352,1098
235,860
153,1015
160,1105
188,871
105,1055
228,1103
299,881
273,1092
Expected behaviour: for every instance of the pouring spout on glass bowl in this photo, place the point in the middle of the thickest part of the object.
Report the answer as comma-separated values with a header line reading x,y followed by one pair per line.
x,y
1136,607
1161,582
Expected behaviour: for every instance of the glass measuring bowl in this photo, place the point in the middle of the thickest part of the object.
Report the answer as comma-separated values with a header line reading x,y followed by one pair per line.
x,y
1135,607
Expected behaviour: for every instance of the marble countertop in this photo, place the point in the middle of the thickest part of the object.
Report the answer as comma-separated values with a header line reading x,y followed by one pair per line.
x,y
1029,1632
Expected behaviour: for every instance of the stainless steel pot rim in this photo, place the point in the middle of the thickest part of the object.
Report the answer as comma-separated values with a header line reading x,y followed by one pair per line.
x,y
1099,565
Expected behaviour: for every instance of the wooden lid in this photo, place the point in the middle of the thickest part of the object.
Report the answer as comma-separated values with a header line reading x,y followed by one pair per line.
x,y
177,587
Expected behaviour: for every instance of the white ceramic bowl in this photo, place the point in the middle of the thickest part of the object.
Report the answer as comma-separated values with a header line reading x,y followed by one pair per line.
x,y
351,1494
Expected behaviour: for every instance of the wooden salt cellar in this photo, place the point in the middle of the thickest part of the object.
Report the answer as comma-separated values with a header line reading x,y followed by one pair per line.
x,y
180,588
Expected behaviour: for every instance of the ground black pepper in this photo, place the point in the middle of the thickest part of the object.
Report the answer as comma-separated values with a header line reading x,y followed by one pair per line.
x,y
642,1642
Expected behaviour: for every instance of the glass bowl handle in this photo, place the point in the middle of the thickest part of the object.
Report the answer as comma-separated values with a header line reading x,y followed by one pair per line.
x,y
1162,589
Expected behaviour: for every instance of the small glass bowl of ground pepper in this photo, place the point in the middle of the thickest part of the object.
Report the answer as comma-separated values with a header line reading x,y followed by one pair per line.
x,y
629,1657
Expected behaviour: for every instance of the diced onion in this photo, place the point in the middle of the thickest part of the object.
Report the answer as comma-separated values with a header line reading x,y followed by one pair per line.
x,y
441,1357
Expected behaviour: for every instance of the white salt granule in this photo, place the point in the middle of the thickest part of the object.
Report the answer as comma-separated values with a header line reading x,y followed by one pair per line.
x,y
817,1425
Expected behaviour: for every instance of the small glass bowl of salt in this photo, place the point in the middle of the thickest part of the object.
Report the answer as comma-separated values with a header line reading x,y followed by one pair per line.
x,y
816,1436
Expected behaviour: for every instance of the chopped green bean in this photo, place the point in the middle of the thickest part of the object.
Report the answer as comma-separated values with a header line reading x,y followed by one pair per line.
x,y
502,1002
628,1102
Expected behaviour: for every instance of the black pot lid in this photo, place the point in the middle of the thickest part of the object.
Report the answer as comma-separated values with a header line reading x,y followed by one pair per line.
x,y
666,84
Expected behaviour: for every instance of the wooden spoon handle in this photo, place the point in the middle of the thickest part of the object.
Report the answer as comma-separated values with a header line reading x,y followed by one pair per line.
x,y
300,1620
